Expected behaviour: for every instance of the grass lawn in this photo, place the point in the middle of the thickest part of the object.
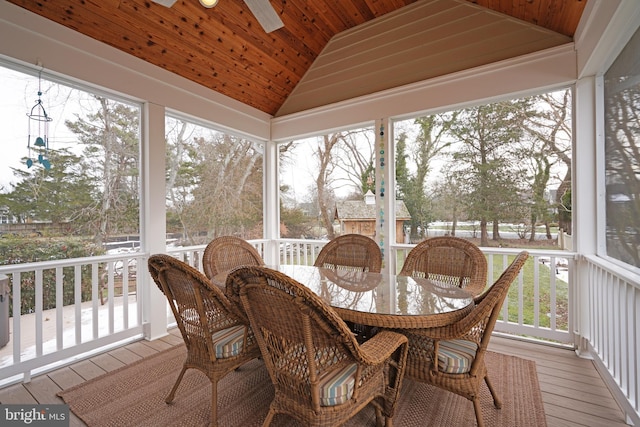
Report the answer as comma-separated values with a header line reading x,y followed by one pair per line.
x,y
525,294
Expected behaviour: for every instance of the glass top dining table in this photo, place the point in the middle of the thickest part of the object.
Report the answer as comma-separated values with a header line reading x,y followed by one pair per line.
x,y
379,299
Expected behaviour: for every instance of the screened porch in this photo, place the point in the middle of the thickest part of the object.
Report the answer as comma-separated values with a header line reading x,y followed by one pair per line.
x,y
588,337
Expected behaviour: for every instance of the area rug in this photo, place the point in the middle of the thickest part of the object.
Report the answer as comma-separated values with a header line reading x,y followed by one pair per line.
x,y
134,396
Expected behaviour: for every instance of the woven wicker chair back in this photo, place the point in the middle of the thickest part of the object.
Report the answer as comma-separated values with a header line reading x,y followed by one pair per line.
x,y
227,252
351,251
449,260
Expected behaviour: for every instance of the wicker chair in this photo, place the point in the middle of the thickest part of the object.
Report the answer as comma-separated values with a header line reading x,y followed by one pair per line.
x,y
227,252
321,375
217,339
351,251
452,357
451,260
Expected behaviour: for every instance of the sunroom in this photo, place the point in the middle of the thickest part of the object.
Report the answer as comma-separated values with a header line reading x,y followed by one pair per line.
x,y
599,309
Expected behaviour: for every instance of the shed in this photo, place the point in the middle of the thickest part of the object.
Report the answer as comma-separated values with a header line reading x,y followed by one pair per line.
x,y
359,216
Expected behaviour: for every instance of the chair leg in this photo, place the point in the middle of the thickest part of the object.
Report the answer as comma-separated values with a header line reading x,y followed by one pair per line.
x,y
379,416
172,393
496,400
478,411
269,418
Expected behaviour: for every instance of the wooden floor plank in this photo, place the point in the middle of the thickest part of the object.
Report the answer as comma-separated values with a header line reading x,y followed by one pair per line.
x,y
172,339
107,362
160,344
606,409
559,422
533,351
588,393
579,377
559,359
579,396
581,369
142,348
44,389
125,355
88,369
582,418
66,378
16,394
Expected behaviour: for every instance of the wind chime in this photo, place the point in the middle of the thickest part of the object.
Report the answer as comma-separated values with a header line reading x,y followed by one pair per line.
x,y
38,123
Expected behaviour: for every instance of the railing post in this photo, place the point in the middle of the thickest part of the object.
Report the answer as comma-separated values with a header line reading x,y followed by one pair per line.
x,y
4,309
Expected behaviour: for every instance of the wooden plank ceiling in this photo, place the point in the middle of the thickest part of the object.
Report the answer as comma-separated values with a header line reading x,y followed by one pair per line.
x,y
225,48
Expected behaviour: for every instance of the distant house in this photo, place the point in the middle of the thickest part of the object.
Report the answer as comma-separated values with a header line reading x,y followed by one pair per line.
x,y
359,216
6,217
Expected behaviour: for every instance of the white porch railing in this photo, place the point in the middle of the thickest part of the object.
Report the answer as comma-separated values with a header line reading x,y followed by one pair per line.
x,y
539,306
79,322
612,301
299,251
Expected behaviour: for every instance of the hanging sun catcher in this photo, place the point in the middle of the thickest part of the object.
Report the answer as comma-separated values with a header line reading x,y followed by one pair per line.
x,y
380,200
38,129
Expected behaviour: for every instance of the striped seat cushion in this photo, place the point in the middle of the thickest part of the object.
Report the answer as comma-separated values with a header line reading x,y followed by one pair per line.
x,y
456,356
228,342
337,387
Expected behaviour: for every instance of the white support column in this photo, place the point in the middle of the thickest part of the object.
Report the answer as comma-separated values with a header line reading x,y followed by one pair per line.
x,y
153,206
385,192
587,162
271,205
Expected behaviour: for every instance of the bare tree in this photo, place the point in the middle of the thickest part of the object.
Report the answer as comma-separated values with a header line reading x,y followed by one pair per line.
x,y
552,127
228,196
180,174
354,157
324,179
214,183
111,135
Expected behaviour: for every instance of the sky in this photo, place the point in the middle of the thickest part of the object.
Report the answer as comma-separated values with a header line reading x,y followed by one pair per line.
x,y
299,174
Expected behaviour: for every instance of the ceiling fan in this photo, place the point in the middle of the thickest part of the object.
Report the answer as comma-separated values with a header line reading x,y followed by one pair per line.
x,y
261,9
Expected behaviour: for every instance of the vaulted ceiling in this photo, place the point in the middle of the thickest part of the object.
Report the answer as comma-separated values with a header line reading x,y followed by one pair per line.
x,y
319,56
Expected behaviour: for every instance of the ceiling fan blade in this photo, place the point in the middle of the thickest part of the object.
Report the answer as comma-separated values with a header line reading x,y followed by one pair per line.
x,y
261,9
165,3
265,14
